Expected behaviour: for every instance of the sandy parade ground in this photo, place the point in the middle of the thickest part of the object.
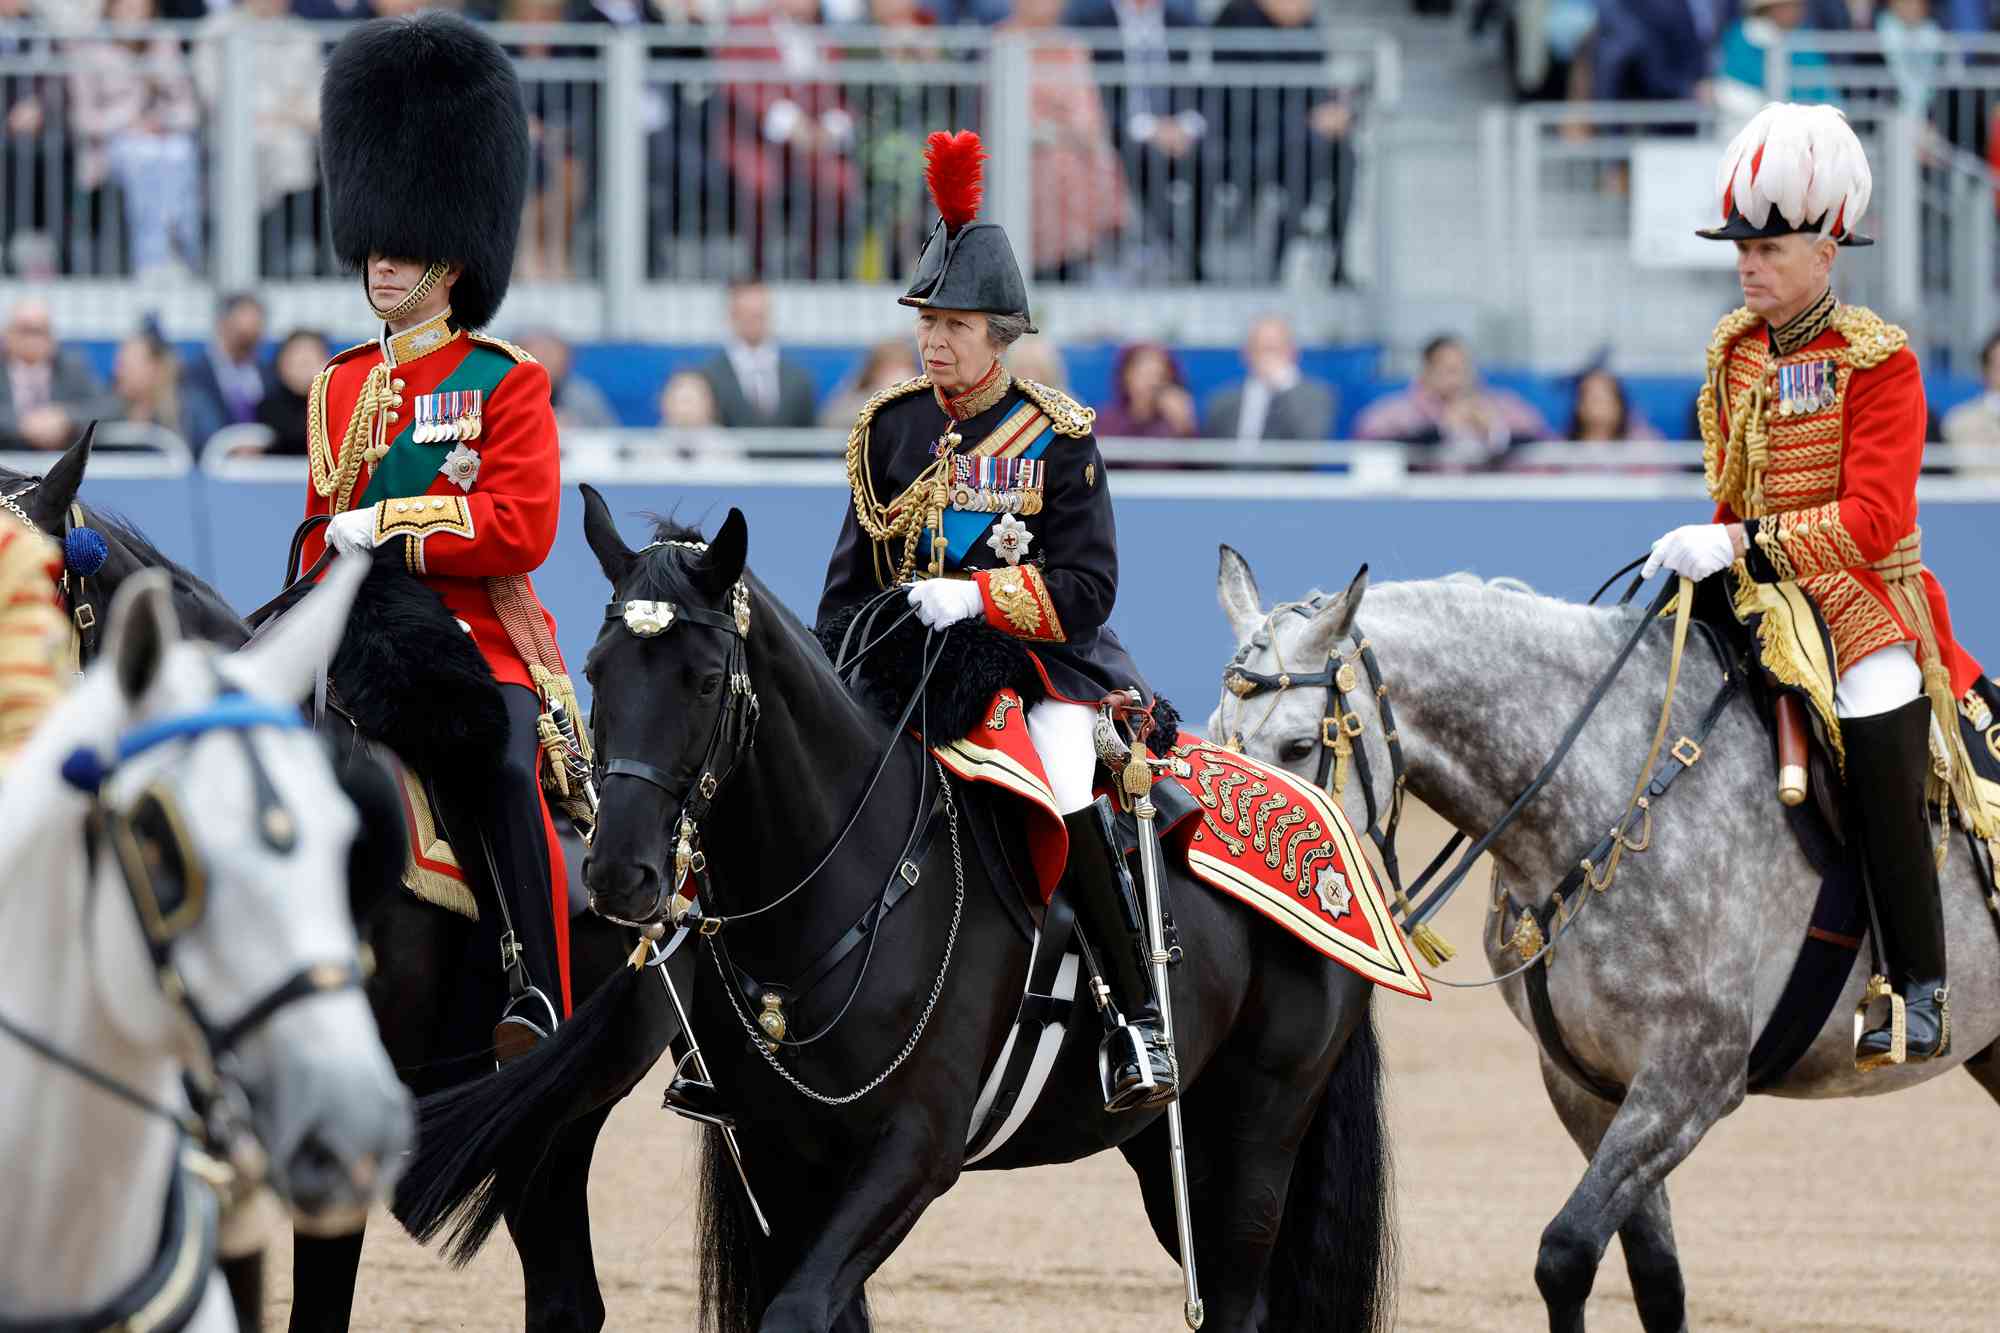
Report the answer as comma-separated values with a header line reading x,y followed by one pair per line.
x,y
1787,1215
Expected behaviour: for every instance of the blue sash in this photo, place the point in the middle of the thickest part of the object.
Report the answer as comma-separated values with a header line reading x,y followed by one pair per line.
x,y
964,528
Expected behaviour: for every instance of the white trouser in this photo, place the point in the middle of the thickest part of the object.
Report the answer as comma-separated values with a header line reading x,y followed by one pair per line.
x,y
1884,680
1062,736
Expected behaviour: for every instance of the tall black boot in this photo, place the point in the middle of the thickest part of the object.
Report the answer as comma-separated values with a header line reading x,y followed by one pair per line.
x,y
1137,1059
1888,766
501,841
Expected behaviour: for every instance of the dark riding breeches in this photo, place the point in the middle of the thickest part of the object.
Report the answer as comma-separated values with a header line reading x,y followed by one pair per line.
x,y
518,831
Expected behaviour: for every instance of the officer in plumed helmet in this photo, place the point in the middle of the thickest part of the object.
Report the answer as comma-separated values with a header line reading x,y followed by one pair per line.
x,y
439,443
984,494
1813,424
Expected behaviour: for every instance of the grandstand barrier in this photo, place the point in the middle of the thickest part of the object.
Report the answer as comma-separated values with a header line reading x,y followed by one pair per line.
x,y
667,159
1310,518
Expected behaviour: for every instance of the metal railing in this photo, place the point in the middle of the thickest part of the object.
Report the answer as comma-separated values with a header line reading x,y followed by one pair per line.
x,y
1186,469
1577,182
667,156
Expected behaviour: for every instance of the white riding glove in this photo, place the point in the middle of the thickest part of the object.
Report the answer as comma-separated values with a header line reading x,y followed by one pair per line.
x,y
1697,551
353,530
942,602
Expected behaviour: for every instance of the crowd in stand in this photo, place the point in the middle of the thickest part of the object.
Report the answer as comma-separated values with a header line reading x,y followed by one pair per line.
x,y
1716,51
237,393
792,176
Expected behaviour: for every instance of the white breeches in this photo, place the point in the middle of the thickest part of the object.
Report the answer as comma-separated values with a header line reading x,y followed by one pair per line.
x,y
1884,680
1062,736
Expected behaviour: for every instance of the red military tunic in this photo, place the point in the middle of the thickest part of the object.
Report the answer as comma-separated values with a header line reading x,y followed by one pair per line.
x,y
451,438
1817,450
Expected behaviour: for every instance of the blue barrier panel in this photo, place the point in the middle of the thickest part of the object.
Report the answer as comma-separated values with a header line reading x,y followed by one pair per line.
x,y
1167,612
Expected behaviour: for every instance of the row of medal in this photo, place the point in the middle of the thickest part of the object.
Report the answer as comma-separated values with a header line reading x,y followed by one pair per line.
x,y
442,417
996,485
1806,387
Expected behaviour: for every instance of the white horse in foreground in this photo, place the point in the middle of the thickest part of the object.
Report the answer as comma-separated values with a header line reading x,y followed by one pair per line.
x,y
173,898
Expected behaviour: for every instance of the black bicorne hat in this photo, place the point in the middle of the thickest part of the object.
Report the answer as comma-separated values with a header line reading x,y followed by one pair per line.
x,y
424,147
1740,228
966,265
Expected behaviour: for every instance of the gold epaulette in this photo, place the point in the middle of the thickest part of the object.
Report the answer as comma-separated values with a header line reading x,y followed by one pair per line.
x,y
1871,340
1068,416
519,354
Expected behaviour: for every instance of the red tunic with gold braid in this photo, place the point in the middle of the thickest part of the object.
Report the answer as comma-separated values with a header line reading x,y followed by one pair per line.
x,y
472,528
451,438
1814,441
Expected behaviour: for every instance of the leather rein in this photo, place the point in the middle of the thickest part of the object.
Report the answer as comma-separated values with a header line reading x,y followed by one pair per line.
x,y
1342,726
693,898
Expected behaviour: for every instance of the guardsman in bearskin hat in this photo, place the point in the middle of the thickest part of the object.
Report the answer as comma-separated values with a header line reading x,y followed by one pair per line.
x,y
440,443
985,495
1813,421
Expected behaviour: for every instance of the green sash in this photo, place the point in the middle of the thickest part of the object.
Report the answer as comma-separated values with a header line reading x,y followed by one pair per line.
x,y
409,468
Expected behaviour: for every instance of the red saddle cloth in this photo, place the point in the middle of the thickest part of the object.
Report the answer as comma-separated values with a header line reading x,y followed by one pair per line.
x,y
1267,838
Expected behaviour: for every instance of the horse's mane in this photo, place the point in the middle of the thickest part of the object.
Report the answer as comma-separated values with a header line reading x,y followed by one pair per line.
x,y
141,546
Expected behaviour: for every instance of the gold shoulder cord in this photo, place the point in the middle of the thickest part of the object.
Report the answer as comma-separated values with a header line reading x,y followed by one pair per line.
x,y
912,511
356,446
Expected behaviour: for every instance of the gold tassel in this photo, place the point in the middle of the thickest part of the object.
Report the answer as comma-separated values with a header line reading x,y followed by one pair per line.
x,y
1432,946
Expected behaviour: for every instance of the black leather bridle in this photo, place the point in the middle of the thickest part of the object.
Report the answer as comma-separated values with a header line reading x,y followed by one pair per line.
x,y
1340,727
735,730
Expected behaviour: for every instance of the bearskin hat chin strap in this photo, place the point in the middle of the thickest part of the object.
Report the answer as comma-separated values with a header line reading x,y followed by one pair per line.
x,y
418,294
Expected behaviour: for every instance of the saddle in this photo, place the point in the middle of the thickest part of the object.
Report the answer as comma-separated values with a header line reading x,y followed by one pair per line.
x,y
428,716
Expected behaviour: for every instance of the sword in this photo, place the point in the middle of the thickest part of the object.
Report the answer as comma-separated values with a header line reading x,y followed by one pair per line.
x,y
659,964
1138,785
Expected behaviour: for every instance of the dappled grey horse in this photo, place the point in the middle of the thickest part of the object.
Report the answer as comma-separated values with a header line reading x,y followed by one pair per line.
x,y
1664,982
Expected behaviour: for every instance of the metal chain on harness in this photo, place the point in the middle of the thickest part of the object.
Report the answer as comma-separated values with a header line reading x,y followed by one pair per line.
x,y
758,1037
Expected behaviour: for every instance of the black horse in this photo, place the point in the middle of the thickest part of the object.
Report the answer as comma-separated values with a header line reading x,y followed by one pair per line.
x,y
434,989
1288,1152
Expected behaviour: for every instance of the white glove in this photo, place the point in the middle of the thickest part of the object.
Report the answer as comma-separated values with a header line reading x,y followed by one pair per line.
x,y
353,530
1697,551
942,602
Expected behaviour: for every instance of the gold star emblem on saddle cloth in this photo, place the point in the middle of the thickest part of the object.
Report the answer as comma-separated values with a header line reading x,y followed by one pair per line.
x,y
1009,539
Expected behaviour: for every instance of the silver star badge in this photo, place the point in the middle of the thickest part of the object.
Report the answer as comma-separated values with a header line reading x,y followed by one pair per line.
x,y
1009,539
460,467
1335,898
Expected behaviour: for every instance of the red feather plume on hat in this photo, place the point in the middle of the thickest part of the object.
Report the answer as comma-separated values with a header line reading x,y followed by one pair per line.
x,y
952,170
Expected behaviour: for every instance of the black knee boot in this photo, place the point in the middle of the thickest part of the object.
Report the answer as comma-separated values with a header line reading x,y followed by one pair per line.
x,y
1888,765
1138,1062
500,840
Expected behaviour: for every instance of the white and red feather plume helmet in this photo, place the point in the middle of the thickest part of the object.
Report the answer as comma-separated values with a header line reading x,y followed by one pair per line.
x,y
1793,168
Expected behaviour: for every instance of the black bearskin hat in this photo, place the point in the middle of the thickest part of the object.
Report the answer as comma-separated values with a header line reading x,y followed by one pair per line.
x,y
424,144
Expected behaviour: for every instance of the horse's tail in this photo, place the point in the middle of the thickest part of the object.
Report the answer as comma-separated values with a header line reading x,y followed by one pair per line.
x,y
480,1144
1334,1269
733,1290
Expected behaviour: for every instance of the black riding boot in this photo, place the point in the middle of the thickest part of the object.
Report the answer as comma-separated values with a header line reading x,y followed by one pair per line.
x,y
1138,1062
522,927
1888,765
